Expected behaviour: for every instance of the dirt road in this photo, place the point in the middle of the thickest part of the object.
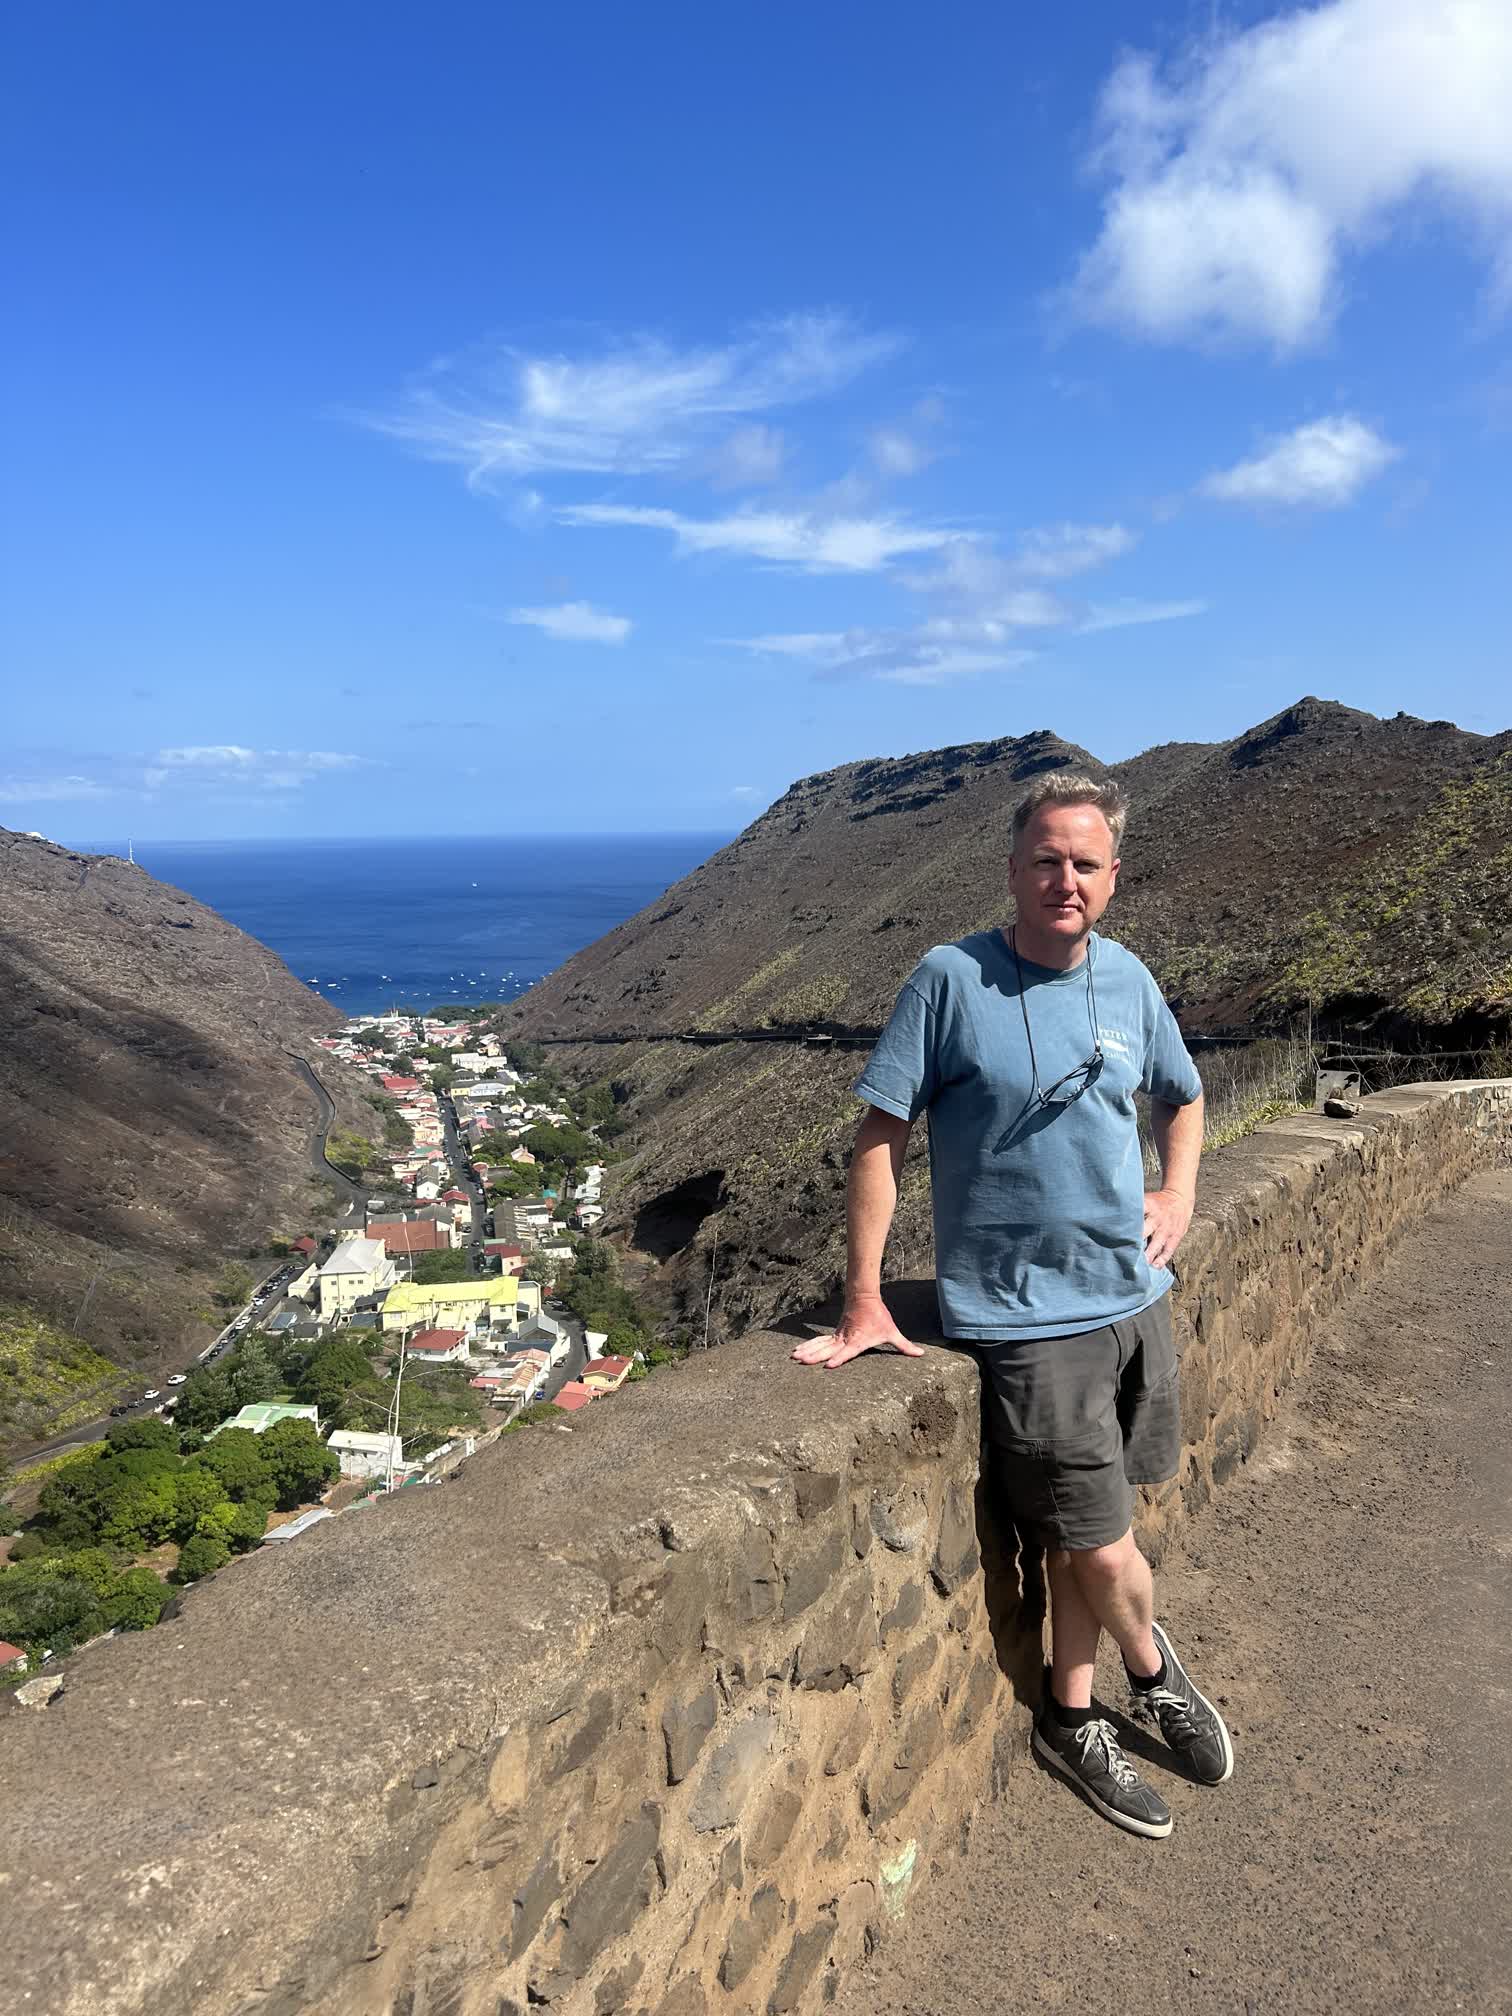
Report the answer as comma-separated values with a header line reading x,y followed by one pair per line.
x,y
1349,1600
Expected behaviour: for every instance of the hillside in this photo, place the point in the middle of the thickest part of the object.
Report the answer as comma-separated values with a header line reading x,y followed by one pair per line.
x,y
1324,861
154,1123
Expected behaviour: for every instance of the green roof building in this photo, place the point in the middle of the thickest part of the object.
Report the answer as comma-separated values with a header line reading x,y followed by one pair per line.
x,y
262,1414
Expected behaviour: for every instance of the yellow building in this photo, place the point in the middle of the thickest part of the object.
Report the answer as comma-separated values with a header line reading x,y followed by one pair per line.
x,y
458,1305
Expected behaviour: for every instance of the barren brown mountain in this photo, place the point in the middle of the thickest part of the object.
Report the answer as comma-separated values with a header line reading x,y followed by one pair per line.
x,y
154,1121
1324,863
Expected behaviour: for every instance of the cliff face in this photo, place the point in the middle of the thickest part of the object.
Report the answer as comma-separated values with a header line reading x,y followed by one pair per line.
x,y
153,1122
1324,859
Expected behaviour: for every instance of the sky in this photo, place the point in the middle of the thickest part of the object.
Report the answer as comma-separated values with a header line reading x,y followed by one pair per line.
x,y
594,418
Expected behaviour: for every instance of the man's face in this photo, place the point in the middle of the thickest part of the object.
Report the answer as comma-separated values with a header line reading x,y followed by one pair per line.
x,y
1062,873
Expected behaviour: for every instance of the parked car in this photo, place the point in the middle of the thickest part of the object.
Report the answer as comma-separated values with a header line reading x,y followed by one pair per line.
x,y
151,1393
176,1378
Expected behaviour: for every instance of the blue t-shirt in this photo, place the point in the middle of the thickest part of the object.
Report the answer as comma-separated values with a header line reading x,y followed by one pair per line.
x,y
1038,1214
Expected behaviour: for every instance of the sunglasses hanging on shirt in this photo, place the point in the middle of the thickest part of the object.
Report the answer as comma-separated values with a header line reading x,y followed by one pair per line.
x,y
1067,1090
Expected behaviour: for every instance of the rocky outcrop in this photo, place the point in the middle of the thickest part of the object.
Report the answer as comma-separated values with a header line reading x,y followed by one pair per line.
x,y
153,1120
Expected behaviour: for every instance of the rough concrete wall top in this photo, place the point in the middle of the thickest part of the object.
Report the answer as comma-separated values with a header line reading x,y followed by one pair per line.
x,y
212,1804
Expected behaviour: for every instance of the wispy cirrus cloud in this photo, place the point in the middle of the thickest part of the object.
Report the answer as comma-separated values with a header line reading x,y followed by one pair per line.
x,y
1124,615
1055,552
48,787
221,767
1321,466
1244,174
214,766
575,623
637,406
749,458
809,542
933,653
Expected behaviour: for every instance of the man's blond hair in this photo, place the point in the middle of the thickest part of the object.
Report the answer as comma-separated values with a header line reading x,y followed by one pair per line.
x,y
1072,787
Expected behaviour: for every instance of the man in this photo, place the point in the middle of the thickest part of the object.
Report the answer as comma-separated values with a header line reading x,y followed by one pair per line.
x,y
1026,1046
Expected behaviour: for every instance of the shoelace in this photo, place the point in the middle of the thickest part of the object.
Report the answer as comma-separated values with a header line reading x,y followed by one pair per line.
x,y
1175,1711
1116,1764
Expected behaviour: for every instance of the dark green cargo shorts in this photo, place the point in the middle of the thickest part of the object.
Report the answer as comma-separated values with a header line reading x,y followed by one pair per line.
x,y
1076,1422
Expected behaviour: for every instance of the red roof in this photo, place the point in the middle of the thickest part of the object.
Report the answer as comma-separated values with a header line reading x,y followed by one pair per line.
x,y
610,1367
394,1084
572,1396
305,1245
502,1250
409,1235
9,1653
435,1340
454,1196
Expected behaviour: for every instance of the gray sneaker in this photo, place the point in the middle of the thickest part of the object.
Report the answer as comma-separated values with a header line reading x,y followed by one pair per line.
x,y
1188,1720
1091,1759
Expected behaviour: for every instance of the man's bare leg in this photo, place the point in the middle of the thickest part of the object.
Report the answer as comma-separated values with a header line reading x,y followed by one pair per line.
x,y
1095,1589
1074,1632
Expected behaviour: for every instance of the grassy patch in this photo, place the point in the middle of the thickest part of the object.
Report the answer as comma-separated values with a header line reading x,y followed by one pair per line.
x,y
48,1377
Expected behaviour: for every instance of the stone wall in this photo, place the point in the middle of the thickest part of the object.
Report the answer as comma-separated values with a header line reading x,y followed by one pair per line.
x,y
672,1709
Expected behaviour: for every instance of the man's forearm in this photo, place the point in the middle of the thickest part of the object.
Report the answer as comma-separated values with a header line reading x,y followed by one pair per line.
x,y
1178,1142
870,1200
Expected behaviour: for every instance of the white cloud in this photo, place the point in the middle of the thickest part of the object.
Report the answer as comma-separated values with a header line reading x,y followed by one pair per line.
x,y
1243,176
215,766
897,452
749,457
1052,552
1121,615
806,541
640,407
1324,464
37,788
928,654
576,623
742,790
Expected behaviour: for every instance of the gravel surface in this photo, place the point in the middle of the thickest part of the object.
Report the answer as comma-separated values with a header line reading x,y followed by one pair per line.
x,y
1349,1601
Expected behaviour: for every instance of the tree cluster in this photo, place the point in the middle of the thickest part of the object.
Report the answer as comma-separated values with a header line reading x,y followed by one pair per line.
x,y
73,1576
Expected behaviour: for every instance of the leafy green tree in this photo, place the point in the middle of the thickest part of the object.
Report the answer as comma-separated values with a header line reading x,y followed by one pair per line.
x,y
43,1609
569,1146
298,1462
450,1264
149,1433
233,1286
139,1514
248,1524
196,1491
97,1566
135,1601
253,1376
201,1554
336,1365
235,1457
205,1400
351,1153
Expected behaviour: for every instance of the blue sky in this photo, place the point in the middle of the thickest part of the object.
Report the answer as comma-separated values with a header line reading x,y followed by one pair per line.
x,y
598,417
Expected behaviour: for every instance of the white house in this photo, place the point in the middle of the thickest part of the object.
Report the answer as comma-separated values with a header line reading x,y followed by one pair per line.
x,y
364,1455
358,1267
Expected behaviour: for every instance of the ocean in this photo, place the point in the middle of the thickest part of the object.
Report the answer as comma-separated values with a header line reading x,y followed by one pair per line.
x,y
375,924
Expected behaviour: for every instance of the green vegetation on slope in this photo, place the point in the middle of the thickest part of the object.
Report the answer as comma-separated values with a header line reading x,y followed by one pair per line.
x,y
49,1379
1428,933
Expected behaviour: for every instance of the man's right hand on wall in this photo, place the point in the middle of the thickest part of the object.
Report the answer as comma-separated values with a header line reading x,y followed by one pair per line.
x,y
865,1326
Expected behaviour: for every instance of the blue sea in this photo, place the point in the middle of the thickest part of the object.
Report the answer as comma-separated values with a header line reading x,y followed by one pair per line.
x,y
375,924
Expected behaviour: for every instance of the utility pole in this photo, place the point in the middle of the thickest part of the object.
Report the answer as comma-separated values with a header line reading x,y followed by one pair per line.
x,y
709,1297
393,1414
